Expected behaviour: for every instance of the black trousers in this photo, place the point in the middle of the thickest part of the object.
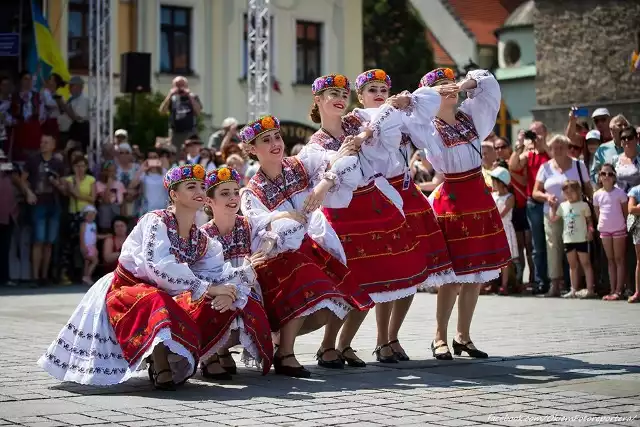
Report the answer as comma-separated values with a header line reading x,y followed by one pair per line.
x,y
5,247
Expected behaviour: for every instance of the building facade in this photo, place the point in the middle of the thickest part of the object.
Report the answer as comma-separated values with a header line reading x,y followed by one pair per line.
x,y
205,40
516,70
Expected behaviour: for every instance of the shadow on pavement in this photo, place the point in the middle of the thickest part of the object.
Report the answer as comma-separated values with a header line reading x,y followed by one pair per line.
x,y
512,372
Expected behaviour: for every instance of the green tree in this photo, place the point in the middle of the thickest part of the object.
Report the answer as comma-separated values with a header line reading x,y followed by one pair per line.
x,y
394,40
146,123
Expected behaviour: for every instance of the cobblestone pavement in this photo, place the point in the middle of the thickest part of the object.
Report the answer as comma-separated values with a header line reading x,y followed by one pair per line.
x,y
554,362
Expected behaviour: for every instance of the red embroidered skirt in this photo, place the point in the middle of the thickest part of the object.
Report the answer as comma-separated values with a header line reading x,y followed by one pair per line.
x,y
424,226
471,223
294,281
381,251
137,311
213,325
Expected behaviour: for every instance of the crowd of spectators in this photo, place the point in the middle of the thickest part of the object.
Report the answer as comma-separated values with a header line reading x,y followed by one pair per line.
x,y
62,221
597,162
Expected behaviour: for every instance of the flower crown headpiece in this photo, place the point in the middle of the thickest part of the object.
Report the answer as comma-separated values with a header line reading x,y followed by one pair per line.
x,y
220,176
330,81
436,76
178,174
375,75
256,128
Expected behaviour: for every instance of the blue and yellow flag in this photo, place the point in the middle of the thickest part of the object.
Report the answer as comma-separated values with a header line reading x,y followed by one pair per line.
x,y
46,58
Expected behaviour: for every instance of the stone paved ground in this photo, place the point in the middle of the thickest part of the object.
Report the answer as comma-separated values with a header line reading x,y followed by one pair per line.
x,y
556,362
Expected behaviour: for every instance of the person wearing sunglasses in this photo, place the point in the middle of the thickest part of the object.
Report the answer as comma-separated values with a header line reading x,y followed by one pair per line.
x,y
627,163
606,152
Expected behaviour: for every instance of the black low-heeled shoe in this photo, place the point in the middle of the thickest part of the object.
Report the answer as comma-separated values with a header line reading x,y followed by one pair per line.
x,y
220,376
400,355
441,356
458,348
354,362
336,363
384,359
290,371
164,386
233,370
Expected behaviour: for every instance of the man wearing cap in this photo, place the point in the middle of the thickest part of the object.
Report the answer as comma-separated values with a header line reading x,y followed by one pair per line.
x,y
74,124
120,136
229,126
183,107
601,119
606,152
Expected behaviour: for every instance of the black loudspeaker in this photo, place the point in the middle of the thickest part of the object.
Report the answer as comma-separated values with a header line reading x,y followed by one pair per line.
x,y
135,72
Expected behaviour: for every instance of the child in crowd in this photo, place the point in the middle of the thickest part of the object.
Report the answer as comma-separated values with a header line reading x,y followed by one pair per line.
x,y
88,243
633,226
610,204
576,234
500,180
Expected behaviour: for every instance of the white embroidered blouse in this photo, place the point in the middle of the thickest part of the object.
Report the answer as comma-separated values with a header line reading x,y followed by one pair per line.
x,y
155,253
236,245
262,199
372,162
449,148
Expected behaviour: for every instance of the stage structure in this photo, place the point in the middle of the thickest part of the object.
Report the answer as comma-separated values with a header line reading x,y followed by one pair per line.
x,y
258,70
101,28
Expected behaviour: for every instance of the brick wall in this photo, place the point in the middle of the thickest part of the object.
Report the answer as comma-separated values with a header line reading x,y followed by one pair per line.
x,y
583,49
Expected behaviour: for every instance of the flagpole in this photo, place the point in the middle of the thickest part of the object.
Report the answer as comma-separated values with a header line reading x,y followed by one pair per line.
x,y
20,66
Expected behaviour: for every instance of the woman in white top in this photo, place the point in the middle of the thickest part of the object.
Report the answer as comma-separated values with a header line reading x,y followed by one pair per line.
x,y
129,317
466,212
548,190
306,271
148,181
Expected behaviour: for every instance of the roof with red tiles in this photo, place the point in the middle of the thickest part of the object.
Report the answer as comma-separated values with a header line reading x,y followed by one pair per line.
x,y
481,17
440,56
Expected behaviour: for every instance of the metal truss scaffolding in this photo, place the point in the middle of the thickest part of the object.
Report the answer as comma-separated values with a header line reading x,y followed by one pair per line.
x,y
258,70
100,75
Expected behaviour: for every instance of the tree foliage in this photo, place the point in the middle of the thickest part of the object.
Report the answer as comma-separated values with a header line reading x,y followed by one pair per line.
x,y
147,122
394,40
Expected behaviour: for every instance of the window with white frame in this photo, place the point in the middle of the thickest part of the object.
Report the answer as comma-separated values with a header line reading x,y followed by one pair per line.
x,y
246,53
175,39
308,51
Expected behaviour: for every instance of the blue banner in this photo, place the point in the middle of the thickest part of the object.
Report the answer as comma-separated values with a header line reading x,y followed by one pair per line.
x,y
9,44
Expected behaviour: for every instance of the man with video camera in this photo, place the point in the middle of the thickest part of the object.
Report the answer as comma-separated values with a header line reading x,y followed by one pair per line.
x,y
529,154
183,107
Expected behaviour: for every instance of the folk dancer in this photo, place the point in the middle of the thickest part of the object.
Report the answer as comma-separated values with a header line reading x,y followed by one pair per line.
x,y
249,326
305,278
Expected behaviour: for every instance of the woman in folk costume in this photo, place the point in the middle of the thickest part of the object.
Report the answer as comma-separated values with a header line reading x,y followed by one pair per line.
x,y
129,317
305,278
464,207
373,87
249,326
381,251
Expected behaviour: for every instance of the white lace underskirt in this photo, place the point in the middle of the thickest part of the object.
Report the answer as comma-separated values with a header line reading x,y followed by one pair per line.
x,y
87,352
338,306
449,277
380,297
